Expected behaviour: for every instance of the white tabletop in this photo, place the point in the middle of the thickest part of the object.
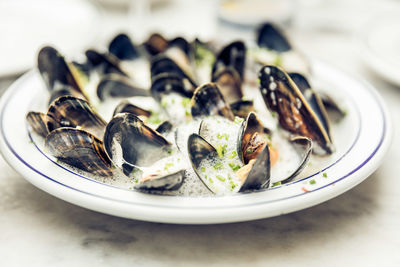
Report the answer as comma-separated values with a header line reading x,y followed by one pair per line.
x,y
360,227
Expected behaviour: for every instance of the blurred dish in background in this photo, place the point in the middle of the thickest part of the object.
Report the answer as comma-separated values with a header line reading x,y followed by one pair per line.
x,y
244,16
25,26
380,46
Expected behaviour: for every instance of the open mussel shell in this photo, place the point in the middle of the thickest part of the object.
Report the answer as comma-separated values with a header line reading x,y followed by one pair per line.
x,y
55,71
104,63
270,37
164,127
114,85
258,176
282,96
123,48
207,100
248,128
68,111
232,55
79,149
312,98
171,181
125,107
229,83
303,147
38,122
242,108
130,143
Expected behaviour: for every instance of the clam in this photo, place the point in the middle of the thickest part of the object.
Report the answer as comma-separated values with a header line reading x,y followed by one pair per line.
x,y
281,95
79,149
142,153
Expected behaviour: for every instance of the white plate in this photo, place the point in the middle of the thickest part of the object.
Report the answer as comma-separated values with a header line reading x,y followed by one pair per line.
x,y
25,25
380,46
361,143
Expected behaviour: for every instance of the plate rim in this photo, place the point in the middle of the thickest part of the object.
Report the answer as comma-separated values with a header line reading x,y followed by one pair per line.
x,y
97,202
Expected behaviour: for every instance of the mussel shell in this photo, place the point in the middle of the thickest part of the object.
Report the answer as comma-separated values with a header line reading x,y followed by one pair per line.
x,y
55,71
164,127
242,108
166,83
250,126
334,110
66,91
207,100
229,83
129,143
269,36
171,181
38,122
68,111
106,64
182,44
79,149
155,44
123,48
312,98
259,175
303,147
282,95
232,55
198,150
125,107
114,85
162,64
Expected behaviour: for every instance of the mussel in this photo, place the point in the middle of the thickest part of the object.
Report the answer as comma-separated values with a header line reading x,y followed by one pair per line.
x,y
142,153
281,95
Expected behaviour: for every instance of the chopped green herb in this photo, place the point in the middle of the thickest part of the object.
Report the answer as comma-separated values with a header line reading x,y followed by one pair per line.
x,y
164,102
278,60
185,102
168,165
273,113
276,184
313,181
234,154
154,118
238,120
221,149
187,113
234,166
232,185
218,166
249,151
325,175
219,177
203,169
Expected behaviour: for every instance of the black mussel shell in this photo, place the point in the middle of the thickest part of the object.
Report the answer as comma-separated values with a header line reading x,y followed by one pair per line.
x,y
171,181
303,147
66,91
232,55
242,108
155,44
164,127
259,175
334,111
129,143
166,83
248,128
79,149
55,71
125,107
281,95
229,83
123,48
68,111
207,100
114,85
270,37
312,98
106,64
38,122
182,44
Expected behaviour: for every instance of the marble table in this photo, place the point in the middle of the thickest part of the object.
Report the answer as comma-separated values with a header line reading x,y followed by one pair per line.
x,y
359,228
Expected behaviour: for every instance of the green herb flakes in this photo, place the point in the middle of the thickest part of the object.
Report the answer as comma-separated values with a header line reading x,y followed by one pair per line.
x,y
221,178
232,155
218,166
313,181
325,175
